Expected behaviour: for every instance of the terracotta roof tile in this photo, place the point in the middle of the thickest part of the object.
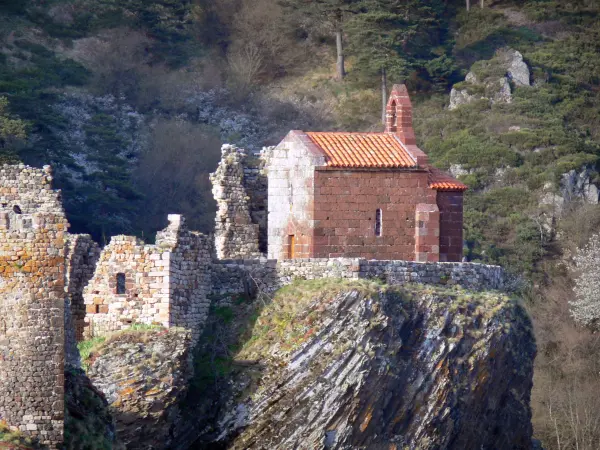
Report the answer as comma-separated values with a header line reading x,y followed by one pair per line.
x,y
362,150
441,181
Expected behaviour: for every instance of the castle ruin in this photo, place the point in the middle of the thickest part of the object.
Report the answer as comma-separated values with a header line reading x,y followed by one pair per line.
x,y
165,283
59,288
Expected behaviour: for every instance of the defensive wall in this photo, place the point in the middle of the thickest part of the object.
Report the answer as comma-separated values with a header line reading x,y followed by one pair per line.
x,y
244,276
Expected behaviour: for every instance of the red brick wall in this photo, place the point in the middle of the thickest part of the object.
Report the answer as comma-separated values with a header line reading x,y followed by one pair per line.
x,y
451,225
345,205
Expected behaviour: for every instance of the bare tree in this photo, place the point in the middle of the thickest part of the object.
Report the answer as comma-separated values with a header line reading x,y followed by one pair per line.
x,y
245,64
116,58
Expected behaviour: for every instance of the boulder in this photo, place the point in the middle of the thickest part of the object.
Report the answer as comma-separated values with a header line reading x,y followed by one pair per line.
x,y
518,71
144,376
490,80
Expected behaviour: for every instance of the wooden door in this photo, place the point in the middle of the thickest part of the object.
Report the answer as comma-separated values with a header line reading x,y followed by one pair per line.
x,y
292,247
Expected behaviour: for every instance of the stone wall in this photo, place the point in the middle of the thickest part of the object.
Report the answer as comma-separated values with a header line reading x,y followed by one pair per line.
x,y
32,302
236,235
189,274
451,225
291,194
248,276
166,283
82,256
256,185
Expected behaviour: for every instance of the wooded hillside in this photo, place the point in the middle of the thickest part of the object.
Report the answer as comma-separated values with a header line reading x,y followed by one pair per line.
x,y
130,101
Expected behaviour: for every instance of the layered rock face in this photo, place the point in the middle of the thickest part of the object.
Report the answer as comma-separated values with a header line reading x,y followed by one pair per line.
x,y
360,366
88,422
143,375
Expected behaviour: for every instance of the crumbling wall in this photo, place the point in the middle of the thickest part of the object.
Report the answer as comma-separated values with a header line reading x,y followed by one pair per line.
x,y
164,284
239,188
32,303
189,275
82,256
256,184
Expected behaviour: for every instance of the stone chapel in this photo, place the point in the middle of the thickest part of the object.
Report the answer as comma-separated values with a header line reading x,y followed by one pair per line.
x,y
367,195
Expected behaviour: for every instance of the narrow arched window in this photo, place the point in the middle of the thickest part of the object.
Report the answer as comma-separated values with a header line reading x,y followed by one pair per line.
x,y
120,283
378,223
393,118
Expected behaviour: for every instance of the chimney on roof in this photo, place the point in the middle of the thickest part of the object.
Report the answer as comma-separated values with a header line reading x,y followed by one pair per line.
x,y
399,115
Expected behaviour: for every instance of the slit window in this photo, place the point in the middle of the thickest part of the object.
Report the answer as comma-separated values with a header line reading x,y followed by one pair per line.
x,y
120,283
378,222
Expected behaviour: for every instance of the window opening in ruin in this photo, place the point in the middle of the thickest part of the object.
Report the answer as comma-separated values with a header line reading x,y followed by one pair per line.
x,y
378,222
394,118
292,247
97,309
120,283
17,209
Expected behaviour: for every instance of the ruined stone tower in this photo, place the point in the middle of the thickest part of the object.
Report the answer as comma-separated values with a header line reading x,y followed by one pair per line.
x,y
32,295
237,235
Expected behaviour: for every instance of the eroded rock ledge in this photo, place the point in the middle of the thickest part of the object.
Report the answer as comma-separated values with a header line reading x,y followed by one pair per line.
x,y
332,364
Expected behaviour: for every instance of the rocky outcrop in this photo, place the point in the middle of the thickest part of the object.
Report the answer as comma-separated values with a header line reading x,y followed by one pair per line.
x,y
144,375
353,364
489,80
577,185
88,422
517,70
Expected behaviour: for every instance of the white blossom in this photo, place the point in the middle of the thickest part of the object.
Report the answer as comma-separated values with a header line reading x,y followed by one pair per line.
x,y
586,309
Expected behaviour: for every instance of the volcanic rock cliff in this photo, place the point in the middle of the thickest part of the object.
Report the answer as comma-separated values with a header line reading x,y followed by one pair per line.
x,y
340,365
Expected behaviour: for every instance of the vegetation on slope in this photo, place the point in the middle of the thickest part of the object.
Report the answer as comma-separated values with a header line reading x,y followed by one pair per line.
x,y
14,440
130,101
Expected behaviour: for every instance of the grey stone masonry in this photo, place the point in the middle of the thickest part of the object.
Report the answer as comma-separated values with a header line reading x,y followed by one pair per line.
x,y
236,235
166,283
247,276
82,256
256,185
32,303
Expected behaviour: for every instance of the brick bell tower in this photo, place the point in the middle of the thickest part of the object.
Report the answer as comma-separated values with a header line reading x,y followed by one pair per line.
x,y
399,115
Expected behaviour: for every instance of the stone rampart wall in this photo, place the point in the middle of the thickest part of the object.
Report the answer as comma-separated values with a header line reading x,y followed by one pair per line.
x,y
32,303
246,276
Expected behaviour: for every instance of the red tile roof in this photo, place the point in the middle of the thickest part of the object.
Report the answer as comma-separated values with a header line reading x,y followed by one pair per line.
x,y
441,181
362,150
